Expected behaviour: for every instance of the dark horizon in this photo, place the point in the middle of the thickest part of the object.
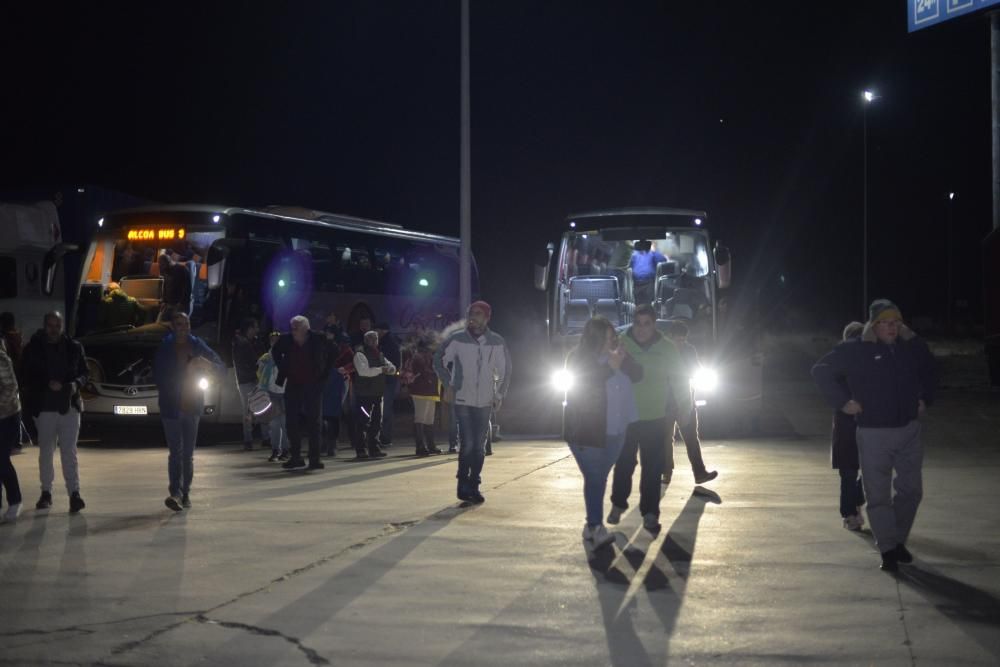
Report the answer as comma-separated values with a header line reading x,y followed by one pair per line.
x,y
353,108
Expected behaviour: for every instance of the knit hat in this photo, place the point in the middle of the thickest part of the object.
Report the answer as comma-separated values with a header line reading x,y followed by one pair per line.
x,y
484,306
883,309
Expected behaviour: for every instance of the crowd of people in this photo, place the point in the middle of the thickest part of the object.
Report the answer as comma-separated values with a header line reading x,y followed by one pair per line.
x,y
631,397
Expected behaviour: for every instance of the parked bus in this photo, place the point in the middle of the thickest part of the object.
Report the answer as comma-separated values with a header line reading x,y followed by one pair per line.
x,y
31,252
223,264
589,274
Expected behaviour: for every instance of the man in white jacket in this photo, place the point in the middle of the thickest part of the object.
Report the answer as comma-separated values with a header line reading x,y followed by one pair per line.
x,y
477,381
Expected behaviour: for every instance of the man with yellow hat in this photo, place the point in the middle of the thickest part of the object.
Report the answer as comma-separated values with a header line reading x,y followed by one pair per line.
x,y
890,380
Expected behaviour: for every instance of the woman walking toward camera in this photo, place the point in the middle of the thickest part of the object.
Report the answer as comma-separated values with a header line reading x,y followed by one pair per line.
x,y
599,406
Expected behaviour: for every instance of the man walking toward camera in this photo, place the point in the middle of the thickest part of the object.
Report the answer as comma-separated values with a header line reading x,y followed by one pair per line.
x,y
476,382
54,369
183,368
890,381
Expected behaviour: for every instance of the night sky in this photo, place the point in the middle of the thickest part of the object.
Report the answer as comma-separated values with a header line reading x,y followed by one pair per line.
x,y
751,111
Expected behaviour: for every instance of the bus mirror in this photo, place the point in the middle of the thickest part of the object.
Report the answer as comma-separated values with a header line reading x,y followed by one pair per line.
x,y
217,254
724,265
542,267
50,265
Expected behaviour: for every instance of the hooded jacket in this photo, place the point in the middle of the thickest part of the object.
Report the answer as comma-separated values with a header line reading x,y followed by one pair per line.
x,y
889,381
481,367
35,373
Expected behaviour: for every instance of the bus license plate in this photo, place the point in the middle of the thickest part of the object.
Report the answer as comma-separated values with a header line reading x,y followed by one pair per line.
x,y
130,409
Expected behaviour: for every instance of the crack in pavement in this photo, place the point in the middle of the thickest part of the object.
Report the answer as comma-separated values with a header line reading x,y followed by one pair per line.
x,y
311,655
532,471
201,616
902,619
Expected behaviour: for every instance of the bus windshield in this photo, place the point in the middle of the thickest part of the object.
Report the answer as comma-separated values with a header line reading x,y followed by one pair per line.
x,y
133,280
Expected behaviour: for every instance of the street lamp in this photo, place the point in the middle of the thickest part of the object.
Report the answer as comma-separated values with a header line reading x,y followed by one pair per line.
x,y
867,98
951,203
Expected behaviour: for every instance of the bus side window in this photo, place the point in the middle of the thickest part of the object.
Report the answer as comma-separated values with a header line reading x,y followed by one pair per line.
x,y
8,278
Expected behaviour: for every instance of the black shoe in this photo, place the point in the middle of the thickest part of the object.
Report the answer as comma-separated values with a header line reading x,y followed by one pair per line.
x,y
434,450
488,451
890,561
362,455
273,457
376,453
186,501
293,464
316,465
465,494
44,502
903,554
477,497
387,445
422,452
704,477
76,503
283,456
173,503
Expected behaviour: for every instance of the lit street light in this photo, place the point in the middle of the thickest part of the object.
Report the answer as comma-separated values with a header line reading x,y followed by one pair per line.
x,y
868,97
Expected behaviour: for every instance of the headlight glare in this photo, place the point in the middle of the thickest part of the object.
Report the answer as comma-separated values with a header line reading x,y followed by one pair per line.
x,y
705,379
562,380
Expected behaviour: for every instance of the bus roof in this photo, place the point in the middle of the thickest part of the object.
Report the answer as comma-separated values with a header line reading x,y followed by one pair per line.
x,y
298,215
639,210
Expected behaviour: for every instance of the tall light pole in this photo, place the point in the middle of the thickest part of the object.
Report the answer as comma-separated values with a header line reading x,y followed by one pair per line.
x,y
867,98
951,298
465,177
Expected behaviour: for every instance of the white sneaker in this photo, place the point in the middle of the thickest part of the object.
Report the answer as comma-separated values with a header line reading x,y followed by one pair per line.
x,y
615,515
12,512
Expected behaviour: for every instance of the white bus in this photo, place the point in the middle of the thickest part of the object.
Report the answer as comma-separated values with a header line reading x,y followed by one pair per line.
x,y
270,264
31,251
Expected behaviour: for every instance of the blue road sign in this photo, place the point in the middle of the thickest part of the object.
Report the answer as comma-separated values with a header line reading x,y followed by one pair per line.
x,y
925,13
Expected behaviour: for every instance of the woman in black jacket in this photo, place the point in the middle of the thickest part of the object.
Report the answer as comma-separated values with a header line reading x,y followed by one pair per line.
x,y
599,406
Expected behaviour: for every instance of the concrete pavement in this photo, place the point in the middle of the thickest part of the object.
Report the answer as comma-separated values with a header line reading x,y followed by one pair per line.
x,y
374,563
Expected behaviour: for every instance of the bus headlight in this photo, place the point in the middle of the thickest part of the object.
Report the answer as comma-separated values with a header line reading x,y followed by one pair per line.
x,y
705,379
562,380
203,384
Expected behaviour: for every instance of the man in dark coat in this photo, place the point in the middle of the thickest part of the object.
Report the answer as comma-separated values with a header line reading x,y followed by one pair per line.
x,y
304,359
844,453
890,381
54,369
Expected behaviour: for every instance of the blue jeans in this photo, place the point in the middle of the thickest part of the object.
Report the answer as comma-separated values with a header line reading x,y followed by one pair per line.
x,y
472,425
182,433
452,426
595,464
388,400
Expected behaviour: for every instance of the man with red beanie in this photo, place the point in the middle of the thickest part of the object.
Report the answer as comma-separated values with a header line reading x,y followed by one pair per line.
x,y
478,381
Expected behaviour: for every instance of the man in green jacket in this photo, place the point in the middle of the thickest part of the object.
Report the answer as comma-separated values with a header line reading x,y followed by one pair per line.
x,y
663,378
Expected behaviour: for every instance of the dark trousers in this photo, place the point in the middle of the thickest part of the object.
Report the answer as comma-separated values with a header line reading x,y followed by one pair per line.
x,y
302,404
852,494
367,422
331,431
691,442
10,436
646,439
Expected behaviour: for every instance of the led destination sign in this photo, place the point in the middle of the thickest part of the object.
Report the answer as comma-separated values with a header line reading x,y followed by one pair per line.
x,y
155,234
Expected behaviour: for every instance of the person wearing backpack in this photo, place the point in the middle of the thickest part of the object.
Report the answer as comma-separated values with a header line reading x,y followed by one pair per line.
x,y
419,377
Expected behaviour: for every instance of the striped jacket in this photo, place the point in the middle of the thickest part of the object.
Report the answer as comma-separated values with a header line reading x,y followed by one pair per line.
x,y
10,403
480,368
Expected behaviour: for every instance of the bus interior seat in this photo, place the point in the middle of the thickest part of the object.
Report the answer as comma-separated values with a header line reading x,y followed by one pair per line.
x,y
144,289
610,309
667,268
577,314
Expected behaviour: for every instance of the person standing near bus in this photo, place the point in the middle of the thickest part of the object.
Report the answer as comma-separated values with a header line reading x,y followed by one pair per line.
x,y
10,434
643,264
304,359
54,369
422,383
245,356
478,381
371,368
182,368
391,349
678,333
